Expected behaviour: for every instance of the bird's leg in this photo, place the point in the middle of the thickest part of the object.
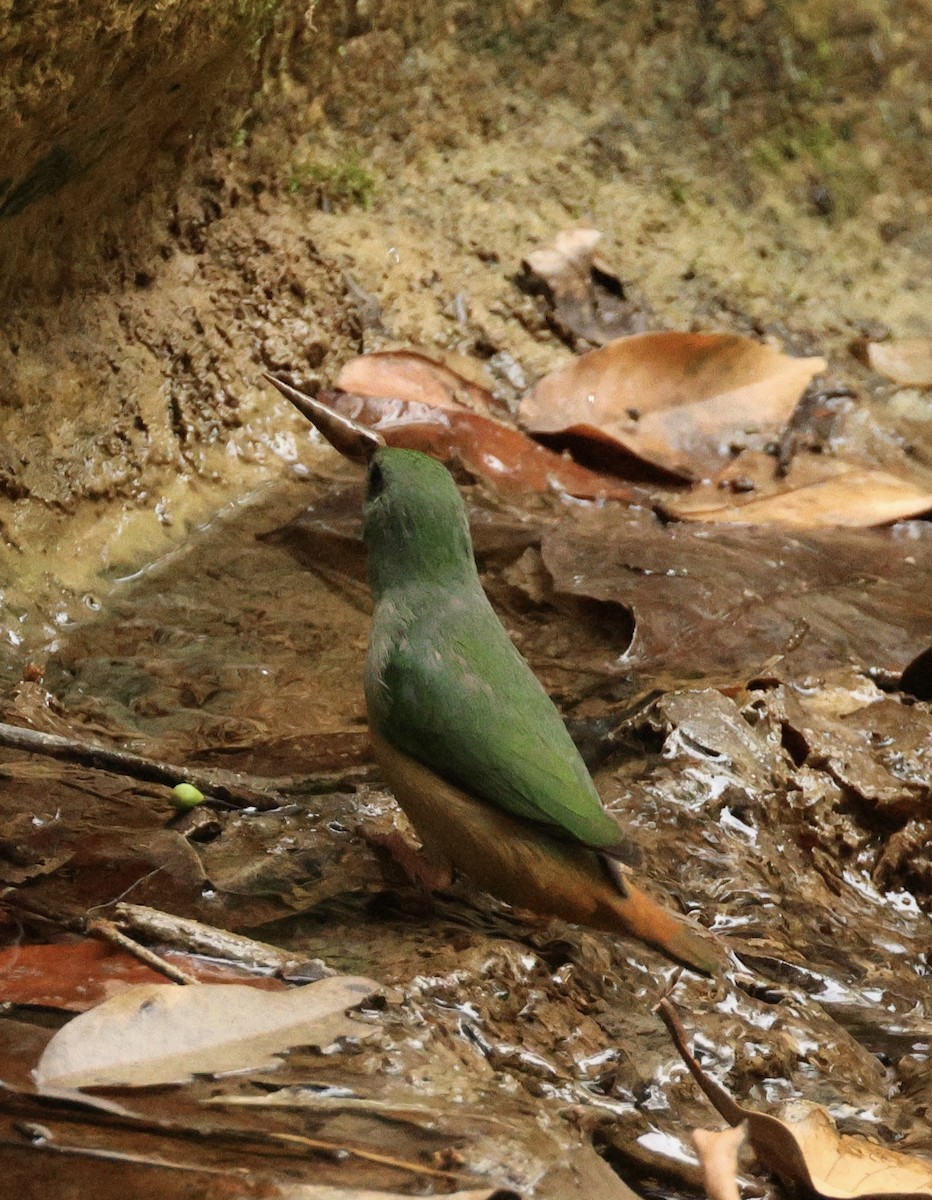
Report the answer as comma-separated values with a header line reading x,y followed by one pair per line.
x,y
425,868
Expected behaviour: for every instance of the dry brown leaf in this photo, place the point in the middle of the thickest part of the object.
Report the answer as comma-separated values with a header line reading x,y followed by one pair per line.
x,y
407,375
588,299
907,360
805,1149
718,1157
849,495
676,400
489,448
163,1033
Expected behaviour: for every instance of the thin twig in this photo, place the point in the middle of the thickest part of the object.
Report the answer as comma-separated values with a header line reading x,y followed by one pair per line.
x,y
69,1109
300,1099
50,1147
108,932
195,937
96,927
36,908
227,786
714,1091
385,1160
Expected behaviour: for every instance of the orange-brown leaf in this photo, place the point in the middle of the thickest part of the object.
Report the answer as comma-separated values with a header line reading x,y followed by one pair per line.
x,y
506,457
676,400
408,375
76,976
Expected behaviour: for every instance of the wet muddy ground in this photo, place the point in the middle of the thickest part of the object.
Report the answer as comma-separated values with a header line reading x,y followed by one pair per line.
x,y
781,802
734,689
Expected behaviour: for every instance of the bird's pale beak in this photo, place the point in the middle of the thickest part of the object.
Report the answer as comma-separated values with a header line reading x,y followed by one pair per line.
x,y
354,441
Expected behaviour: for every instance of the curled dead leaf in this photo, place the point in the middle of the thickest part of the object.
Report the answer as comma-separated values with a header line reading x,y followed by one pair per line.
x,y
588,299
803,1146
907,361
676,400
718,1157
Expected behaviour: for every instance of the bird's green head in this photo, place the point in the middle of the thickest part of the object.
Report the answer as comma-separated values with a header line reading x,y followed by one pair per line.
x,y
416,529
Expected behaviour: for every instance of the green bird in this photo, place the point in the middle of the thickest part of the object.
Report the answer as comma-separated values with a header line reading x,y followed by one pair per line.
x,y
474,749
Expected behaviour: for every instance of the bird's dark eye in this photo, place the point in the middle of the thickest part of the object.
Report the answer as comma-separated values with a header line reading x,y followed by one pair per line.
x,y
376,481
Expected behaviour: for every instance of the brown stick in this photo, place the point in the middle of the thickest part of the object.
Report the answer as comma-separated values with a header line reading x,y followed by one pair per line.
x,y
108,932
713,1090
99,927
194,937
220,784
13,1101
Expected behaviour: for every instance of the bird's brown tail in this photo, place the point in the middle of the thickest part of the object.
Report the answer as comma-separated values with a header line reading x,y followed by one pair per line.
x,y
649,921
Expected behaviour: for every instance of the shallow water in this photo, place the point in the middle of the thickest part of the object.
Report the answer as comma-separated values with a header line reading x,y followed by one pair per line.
x,y
231,652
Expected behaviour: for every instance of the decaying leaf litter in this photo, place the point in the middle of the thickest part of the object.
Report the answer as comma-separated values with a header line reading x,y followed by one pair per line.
x,y
799,1144
737,688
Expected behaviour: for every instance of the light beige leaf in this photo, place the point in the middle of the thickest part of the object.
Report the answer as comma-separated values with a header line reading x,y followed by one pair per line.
x,y
566,261
718,1157
851,496
805,1149
409,375
162,1033
906,360
677,400
842,1165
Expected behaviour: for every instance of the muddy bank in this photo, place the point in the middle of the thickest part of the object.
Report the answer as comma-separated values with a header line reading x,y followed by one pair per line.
x,y
377,177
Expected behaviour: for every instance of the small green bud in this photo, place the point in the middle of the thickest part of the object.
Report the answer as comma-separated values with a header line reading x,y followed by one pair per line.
x,y
186,795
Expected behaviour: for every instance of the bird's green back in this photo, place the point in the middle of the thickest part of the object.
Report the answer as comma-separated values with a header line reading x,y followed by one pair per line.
x,y
444,683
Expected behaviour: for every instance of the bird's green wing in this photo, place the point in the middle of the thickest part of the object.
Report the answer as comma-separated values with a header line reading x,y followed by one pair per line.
x,y
452,691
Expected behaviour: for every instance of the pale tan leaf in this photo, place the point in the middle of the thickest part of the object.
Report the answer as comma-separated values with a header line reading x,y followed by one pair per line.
x,y
408,375
805,1149
849,495
162,1033
842,1165
677,400
718,1157
906,360
564,263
